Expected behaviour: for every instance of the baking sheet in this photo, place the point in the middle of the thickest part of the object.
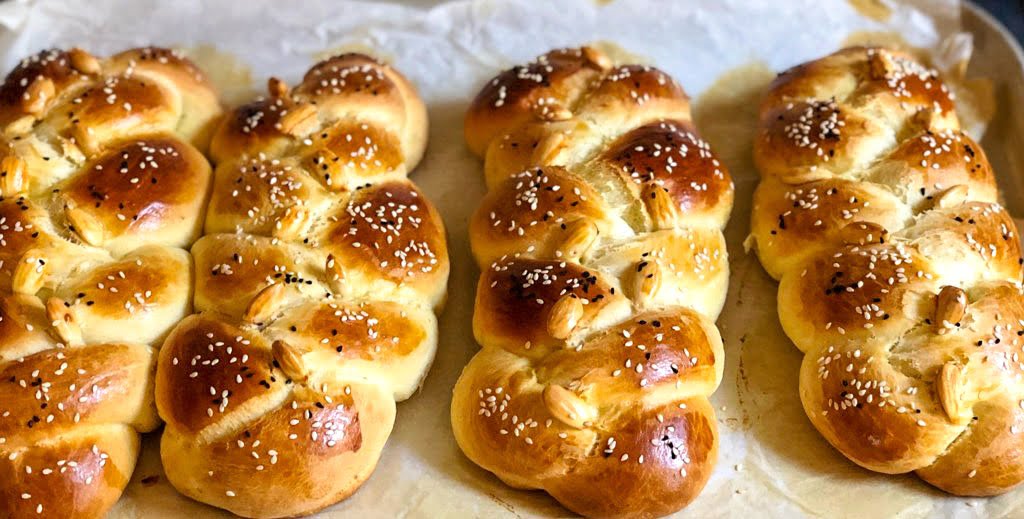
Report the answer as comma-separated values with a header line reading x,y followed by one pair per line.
x,y
772,464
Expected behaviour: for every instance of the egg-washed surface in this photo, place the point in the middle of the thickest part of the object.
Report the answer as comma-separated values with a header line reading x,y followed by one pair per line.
x,y
900,274
101,189
603,269
316,285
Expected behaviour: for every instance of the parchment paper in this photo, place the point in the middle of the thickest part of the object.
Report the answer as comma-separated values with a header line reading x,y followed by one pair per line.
x,y
773,463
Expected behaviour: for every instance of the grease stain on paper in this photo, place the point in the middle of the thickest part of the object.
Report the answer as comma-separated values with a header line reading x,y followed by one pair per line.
x,y
618,54
231,76
726,115
876,10
892,40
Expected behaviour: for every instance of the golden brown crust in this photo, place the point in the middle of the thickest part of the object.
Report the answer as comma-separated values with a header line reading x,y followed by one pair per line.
x,y
53,65
390,232
316,283
87,470
517,95
550,206
678,443
94,384
151,186
900,275
391,121
319,440
193,359
603,268
669,154
100,187
515,300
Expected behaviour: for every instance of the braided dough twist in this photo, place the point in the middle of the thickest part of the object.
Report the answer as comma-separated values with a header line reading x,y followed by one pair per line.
x,y
604,267
900,274
100,189
316,284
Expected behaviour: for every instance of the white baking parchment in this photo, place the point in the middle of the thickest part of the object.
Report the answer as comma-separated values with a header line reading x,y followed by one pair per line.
x,y
773,463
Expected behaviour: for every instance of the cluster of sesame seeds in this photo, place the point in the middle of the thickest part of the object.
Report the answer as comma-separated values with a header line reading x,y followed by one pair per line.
x,y
530,191
84,471
282,274
817,122
40,384
138,167
807,201
625,74
258,112
939,143
45,57
502,94
252,115
161,55
547,106
677,449
35,66
387,221
897,259
327,432
526,283
387,218
904,69
110,85
274,182
1003,345
364,157
231,352
222,269
988,214
350,319
802,199
538,72
662,157
859,388
644,351
118,282
706,260
264,450
335,79
494,404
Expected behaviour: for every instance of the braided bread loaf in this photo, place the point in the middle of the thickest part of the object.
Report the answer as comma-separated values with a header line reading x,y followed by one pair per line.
x,y
900,273
100,189
604,267
316,284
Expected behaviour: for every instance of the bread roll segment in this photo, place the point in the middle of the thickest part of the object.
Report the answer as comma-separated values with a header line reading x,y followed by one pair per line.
x,y
603,270
900,274
316,289
101,186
